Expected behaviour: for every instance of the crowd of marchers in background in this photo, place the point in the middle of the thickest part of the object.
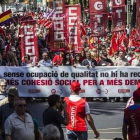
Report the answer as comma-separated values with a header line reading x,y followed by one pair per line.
x,y
10,51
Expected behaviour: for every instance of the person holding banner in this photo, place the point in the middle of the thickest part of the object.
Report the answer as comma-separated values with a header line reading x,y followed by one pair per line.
x,y
45,60
136,61
58,59
89,62
78,110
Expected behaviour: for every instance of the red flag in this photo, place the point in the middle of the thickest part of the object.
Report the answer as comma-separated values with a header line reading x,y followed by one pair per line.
x,y
114,44
2,32
132,39
121,43
8,48
83,28
41,21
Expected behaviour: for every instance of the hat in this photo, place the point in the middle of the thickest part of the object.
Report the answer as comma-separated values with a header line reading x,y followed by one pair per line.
x,y
13,91
61,50
75,86
136,95
104,53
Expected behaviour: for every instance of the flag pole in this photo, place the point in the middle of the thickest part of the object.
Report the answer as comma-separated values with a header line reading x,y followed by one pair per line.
x,y
98,48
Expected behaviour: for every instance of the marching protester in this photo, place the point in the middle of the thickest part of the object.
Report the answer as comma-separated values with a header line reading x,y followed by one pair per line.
x,y
8,108
89,62
3,85
20,123
58,59
78,110
132,119
52,115
2,62
51,132
46,61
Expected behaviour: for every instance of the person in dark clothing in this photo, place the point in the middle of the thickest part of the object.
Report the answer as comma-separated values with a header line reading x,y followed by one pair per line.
x,y
2,62
52,115
105,61
89,61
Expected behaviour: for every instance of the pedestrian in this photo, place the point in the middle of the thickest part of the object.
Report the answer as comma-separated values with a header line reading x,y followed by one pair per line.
x,y
8,108
131,121
78,110
52,115
3,85
51,132
19,125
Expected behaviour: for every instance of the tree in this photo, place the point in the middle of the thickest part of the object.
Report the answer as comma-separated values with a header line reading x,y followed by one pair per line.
x,y
2,2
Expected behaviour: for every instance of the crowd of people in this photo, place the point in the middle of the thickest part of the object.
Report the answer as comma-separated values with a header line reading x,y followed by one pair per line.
x,y
10,51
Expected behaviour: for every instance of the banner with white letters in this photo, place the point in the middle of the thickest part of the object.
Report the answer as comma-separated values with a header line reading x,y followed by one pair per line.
x,y
95,82
29,44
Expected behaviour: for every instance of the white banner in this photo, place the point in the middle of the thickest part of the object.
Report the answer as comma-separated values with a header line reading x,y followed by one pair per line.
x,y
95,82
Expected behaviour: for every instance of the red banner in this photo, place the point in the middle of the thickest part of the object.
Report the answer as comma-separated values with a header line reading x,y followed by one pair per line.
x,y
29,43
57,37
119,18
73,28
98,24
118,3
138,7
98,6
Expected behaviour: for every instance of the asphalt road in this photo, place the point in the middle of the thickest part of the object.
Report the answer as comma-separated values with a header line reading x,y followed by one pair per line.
x,y
108,117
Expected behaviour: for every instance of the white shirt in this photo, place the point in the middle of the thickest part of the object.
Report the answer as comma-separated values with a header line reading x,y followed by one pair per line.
x,y
75,98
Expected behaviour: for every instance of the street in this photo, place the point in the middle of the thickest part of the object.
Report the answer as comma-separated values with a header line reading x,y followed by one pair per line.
x,y
108,117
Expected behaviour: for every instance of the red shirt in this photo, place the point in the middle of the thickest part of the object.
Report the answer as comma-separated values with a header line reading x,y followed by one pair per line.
x,y
76,113
133,121
58,60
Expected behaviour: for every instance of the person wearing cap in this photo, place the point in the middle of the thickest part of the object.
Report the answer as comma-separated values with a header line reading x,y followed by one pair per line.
x,y
78,110
131,120
136,61
121,60
89,61
8,108
105,61
58,59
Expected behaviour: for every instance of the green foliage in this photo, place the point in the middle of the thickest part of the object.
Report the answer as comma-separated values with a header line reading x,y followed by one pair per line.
x,y
2,2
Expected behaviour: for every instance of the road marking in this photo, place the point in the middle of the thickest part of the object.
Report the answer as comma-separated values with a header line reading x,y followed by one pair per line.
x,y
111,128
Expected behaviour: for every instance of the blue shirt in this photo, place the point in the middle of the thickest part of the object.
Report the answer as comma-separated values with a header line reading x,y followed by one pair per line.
x,y
45,63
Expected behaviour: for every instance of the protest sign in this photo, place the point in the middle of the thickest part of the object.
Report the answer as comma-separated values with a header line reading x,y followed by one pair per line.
x,y
95,82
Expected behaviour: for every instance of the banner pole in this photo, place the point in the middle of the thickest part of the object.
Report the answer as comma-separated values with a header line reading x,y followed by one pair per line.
x,y
98,49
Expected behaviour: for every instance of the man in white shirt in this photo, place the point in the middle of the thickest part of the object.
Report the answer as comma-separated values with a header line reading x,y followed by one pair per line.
x,y
136,61
45,60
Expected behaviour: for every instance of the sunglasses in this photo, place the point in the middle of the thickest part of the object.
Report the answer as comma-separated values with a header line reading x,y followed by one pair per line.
x,y
22,105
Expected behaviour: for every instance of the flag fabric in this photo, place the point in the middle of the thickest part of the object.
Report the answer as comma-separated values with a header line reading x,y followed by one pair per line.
x,y
114,44
83,30
132,39
6,17
41,21
2,32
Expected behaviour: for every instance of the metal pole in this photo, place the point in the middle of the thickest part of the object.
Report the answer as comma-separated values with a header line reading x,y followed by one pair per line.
x,y
98,49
